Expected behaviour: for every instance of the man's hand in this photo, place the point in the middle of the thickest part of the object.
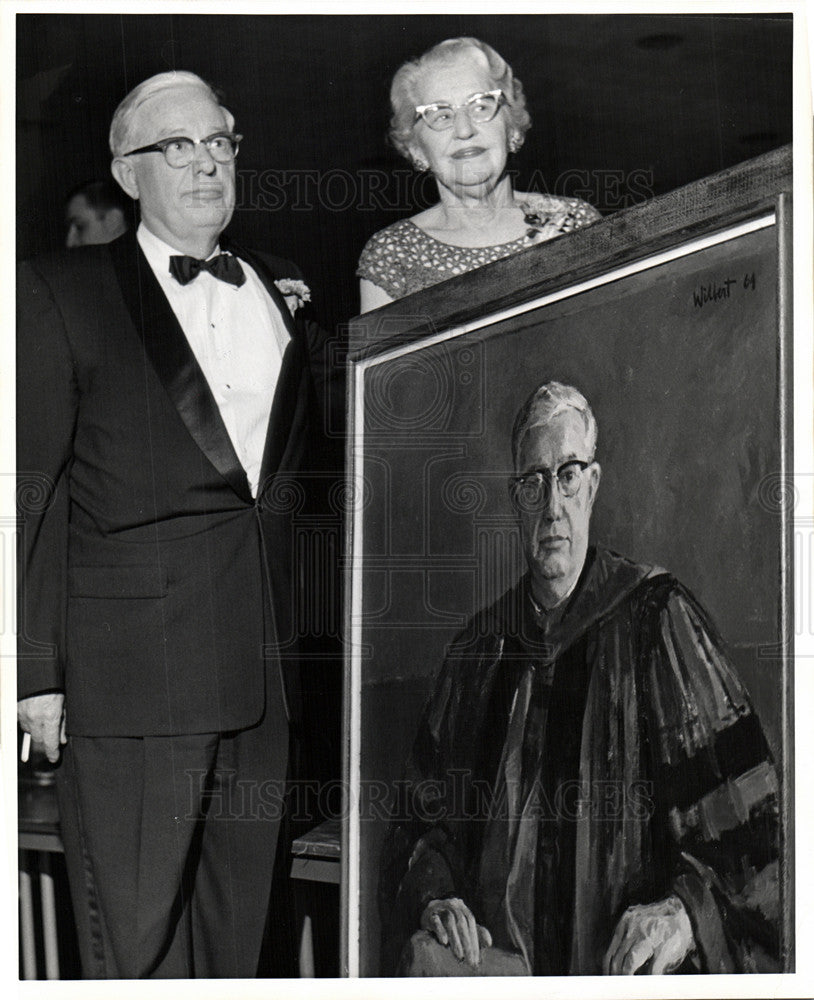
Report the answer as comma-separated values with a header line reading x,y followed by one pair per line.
x,y
658,931
43,715
452,923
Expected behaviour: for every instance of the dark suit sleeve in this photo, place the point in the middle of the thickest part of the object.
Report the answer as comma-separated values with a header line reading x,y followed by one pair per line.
x,y
47,402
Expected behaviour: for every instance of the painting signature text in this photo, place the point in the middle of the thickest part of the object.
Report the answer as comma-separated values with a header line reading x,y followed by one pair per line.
x,y
717,290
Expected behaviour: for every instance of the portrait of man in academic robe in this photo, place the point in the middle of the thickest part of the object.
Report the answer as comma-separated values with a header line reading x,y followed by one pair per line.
x,y
592,792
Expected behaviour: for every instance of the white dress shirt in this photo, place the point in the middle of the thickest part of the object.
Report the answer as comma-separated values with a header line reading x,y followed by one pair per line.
x,y
238,338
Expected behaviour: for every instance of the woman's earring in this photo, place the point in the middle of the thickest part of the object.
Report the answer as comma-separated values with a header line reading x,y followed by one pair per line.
x,y
515,142
420,164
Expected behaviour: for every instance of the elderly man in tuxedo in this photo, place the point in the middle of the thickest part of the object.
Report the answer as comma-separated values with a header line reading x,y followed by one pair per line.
x,y
164,388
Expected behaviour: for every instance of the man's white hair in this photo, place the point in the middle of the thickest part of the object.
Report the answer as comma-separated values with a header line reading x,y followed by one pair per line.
x,y
548,400
121,126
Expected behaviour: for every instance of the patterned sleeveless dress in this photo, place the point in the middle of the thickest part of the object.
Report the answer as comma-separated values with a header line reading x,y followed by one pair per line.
x,y
402,258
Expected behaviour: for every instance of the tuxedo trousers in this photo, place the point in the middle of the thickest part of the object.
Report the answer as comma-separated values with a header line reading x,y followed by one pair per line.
x,y
170,846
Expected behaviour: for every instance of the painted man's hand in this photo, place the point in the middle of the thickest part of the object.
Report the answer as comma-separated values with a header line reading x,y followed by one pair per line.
x,y
659,933
43,716
452,923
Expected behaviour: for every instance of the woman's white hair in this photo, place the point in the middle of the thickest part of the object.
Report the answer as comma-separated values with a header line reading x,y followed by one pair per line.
x,y
545,403
405,83
121,126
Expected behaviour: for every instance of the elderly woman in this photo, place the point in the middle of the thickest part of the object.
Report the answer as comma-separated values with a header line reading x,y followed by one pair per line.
x,y
458,111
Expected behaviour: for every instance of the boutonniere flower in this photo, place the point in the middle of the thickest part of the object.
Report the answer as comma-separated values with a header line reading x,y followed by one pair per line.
x,y
296,293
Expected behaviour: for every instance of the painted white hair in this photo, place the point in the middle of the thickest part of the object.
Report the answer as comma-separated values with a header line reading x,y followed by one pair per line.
x,y
121,125
548,400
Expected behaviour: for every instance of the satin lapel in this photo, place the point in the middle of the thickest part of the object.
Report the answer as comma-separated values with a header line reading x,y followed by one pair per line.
x,y
174,362
286,394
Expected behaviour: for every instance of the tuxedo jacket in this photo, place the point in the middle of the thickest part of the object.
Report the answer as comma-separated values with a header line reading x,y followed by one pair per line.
x,y
153,588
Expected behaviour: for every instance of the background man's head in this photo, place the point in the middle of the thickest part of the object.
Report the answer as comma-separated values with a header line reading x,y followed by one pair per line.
x,y
96,212
186,206
556,479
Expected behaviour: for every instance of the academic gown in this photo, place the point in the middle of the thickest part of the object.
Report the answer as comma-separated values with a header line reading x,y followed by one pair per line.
x,y
568,767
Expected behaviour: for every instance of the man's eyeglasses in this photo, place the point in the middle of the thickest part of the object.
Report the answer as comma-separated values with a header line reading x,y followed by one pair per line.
x,y
179,151
480,108
532,491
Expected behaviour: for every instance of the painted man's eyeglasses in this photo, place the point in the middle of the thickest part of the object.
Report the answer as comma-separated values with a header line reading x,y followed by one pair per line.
x,y
531,491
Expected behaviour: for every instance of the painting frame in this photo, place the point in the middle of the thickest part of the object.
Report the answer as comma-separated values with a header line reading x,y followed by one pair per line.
x,y
714,212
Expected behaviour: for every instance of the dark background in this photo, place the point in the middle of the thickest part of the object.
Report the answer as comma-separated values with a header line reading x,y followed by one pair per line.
x,y
623,107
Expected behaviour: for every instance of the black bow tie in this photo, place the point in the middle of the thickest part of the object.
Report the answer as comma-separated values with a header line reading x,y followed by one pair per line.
x,y
224,267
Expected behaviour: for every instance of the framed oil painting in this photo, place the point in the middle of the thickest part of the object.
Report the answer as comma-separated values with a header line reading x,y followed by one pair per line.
x,y
555,771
